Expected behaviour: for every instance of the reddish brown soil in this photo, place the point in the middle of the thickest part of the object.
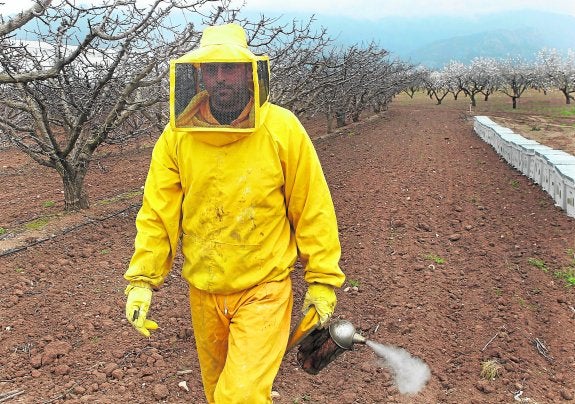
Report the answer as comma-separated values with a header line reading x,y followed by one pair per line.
x,y
408,185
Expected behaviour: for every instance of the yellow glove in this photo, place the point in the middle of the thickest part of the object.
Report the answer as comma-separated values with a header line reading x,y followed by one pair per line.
x,y
322,297
139,297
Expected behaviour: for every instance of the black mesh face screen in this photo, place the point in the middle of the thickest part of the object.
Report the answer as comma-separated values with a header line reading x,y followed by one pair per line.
x,y
214,94
186,86
263,80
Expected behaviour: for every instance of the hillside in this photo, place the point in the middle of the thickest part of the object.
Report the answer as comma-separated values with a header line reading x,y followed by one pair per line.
x,y
498,44
434,41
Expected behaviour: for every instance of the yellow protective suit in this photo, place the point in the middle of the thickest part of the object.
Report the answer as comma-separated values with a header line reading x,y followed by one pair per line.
x,y
243,207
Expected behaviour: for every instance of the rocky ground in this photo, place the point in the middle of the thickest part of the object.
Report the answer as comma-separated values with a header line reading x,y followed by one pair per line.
x,y
450,254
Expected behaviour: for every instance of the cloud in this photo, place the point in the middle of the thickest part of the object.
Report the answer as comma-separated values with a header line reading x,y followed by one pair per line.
x,y
13,7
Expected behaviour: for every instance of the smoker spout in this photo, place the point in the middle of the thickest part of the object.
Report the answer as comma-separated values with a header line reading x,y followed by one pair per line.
x,y
359,339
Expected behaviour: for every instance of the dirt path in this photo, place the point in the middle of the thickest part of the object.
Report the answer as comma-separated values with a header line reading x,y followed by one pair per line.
x,y
441,237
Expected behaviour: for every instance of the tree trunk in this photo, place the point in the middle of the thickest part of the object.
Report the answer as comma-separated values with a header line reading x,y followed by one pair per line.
x,y
514,100
567,96
472,97
329,120
75,196
340,119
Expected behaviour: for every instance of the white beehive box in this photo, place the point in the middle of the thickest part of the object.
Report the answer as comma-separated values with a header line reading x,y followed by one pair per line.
x,y
546,170
493,137
505,149
568,200
535,161
518,149
508,145
557,187
482,126
527,164
558,157
545,160
538,165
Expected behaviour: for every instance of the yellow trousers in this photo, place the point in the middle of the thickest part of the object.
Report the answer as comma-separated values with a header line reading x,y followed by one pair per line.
x,y
241,339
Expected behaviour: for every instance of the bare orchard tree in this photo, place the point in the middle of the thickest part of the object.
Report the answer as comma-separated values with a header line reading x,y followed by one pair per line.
x,y
11,24
293,50
456,76
372,64
478,77
310,75
558,71
484,76
415,80
392,78
516,76
350,78
437,85
107,67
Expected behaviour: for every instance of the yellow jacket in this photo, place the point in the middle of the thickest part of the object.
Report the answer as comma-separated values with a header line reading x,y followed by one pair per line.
x,y
242,208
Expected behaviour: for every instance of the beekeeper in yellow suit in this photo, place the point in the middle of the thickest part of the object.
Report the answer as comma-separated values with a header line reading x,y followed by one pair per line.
x,y
236,179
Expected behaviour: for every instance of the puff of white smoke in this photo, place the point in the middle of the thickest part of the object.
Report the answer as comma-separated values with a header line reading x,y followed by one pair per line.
x,y
410,373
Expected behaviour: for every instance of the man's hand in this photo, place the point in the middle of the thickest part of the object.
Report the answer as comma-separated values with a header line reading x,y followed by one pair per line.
x,y
323,298
139,297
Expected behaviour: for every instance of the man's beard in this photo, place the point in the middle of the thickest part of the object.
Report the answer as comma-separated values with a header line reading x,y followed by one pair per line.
x,y
226,98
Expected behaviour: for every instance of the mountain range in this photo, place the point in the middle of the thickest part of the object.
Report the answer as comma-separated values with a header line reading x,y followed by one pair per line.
x,y
434,41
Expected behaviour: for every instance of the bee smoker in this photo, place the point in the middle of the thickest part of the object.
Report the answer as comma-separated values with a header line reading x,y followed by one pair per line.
x,y
323,345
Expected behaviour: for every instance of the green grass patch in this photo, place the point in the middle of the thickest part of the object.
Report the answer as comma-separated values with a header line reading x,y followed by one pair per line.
x,y
567,112
567,275
3,231
435,258
37,224
537,263
490,369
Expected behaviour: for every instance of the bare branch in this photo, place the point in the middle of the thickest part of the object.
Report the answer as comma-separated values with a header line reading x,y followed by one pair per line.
x,y
24,17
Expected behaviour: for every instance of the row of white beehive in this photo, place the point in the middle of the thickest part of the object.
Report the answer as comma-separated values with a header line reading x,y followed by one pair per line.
x,y
553,170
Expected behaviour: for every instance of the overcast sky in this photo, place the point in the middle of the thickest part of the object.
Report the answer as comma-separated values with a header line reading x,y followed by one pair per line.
x,y
374,9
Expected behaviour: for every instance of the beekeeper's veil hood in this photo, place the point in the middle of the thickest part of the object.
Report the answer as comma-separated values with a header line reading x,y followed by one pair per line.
x,y
219,91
